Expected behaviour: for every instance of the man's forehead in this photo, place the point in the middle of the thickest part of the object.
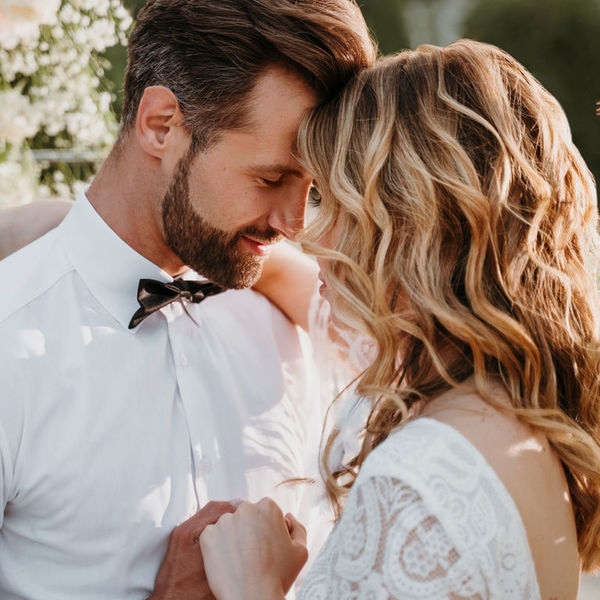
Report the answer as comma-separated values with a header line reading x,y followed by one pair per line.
x,y
279,94
276,152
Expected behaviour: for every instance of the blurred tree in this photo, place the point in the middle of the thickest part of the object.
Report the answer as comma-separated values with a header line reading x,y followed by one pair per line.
x,y
559,42
117,58
437,22
387,23
134,6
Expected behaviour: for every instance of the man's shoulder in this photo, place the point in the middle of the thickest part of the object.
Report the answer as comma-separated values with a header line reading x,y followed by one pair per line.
x,y
31,271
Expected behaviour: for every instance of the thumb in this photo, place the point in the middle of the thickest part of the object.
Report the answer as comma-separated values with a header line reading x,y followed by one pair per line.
x,y
296,529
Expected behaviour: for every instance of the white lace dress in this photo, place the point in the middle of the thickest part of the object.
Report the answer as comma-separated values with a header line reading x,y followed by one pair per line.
x,y
427,518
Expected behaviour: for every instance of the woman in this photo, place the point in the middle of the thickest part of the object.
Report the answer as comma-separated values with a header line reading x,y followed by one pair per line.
x,y
458,230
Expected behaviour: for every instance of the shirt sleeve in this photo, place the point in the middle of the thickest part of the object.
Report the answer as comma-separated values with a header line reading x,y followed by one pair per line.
x,y
389,545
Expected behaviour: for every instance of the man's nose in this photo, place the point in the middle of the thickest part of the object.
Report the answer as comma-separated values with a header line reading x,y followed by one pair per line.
x,y
287,216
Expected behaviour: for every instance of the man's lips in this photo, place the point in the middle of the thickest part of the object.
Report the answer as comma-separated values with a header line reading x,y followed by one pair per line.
x,y
259,247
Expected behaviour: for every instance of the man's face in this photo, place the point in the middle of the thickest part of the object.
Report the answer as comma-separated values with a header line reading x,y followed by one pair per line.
x,y
224,207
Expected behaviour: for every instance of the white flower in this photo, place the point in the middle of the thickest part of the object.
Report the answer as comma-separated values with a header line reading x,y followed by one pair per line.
x,y
17,119
61,68
104,99
80,37
21,19
18,178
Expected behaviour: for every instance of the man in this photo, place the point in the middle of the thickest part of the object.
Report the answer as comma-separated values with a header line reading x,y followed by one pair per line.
x,y
127,404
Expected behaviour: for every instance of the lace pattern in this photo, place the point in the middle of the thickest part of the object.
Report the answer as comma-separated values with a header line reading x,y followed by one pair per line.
x,y
427,518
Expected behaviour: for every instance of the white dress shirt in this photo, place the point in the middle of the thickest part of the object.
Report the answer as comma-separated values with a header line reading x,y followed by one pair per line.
x,y
110,437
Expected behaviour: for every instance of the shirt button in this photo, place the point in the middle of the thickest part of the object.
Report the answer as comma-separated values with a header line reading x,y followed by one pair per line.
x,y
183,360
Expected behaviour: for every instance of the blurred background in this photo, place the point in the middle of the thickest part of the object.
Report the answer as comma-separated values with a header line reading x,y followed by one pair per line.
x,y
62,65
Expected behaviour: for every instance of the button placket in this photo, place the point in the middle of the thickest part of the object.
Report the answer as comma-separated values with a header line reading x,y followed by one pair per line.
x,y
185,345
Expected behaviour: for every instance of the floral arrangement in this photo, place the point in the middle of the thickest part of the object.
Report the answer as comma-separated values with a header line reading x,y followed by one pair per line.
x,y
55,102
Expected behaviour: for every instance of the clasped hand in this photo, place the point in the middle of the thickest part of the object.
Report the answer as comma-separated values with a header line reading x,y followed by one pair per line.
x,y
256,552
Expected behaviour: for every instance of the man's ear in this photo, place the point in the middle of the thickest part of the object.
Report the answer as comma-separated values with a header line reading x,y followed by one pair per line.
x,y
158,116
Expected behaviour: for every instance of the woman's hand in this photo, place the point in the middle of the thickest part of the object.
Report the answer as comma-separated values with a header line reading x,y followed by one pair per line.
x,y
255,552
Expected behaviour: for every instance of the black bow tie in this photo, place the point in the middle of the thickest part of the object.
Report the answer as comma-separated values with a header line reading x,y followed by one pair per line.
x,y
153,295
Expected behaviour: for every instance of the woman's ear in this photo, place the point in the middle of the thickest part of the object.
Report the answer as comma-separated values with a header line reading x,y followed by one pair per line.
x,y
157,119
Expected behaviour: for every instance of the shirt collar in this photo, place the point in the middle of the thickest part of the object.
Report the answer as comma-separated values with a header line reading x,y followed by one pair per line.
x,y
110,268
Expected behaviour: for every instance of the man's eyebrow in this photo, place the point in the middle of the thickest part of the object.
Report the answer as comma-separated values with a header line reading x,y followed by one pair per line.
x,y
279,169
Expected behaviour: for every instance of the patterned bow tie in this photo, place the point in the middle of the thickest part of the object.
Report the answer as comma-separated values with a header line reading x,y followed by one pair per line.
x,y
153,295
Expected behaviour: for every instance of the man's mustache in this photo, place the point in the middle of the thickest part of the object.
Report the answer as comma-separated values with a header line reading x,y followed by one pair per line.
x,y
264,236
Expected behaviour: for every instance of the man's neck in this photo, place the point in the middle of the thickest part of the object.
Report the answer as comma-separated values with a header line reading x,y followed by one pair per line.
x,y
126,193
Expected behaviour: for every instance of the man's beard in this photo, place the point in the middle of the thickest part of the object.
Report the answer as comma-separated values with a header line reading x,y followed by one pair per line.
x,y
211,252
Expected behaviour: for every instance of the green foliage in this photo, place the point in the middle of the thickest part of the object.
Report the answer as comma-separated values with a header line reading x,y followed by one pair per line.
x,y
559,42
117,59
387,23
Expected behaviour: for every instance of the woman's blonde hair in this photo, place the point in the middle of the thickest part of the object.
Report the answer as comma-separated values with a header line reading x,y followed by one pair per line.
x,y
466,234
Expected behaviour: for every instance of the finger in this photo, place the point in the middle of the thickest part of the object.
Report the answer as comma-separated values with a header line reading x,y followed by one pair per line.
x,y
288,523
296,529
207,536
209,514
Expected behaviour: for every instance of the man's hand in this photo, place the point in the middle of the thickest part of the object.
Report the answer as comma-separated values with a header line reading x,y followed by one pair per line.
x,y
20,225
181,575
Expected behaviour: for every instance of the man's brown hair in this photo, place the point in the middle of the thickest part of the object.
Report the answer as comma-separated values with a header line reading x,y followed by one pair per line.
x,y
209,53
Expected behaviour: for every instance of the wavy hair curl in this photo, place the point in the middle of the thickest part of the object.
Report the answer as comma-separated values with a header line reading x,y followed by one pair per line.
x,y
466,241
